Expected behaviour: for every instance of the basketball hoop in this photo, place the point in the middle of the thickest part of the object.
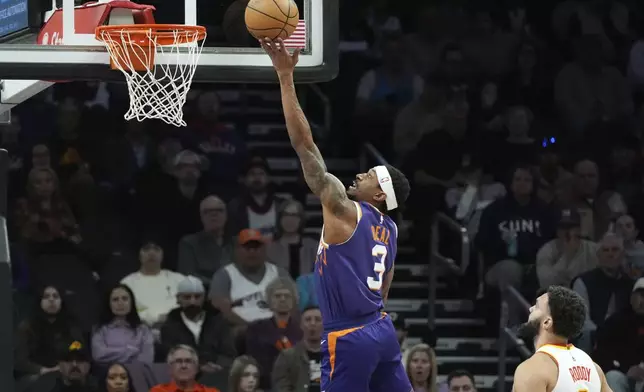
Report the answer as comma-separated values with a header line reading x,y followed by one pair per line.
x,y
157,91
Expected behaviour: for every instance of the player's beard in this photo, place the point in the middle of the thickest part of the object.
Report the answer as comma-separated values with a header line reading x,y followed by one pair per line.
x,y
529,330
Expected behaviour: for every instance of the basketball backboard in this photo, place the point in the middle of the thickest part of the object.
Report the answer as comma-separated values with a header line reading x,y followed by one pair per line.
x,y
66,49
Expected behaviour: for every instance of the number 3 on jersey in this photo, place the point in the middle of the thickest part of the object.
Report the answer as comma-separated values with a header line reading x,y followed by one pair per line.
x,y
380,252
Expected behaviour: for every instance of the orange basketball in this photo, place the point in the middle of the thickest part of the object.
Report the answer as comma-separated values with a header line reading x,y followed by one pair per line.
x,y
271,18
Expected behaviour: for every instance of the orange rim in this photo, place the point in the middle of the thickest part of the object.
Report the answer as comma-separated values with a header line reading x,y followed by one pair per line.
x,y
165,33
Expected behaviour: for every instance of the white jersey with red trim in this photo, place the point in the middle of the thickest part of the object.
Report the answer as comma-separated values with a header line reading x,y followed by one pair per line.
x,y
577,371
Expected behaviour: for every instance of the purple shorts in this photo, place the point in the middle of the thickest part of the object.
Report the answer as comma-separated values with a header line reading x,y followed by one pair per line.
x,y
366,358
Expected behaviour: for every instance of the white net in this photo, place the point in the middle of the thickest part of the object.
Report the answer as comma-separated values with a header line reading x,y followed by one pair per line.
x,y
157,91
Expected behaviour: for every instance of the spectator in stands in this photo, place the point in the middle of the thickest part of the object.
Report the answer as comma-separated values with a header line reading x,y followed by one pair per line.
x,y
197,325
237,290
620,344
204,252
41,337
244,375
180,205
437,158
383,91
380,20
512,230
290,249
306,291
461,381
518,145
155,289
488,45
256,208
120,335
223,145
633,247
567,256
74,364
554,179
206,118
530,84
297,369
422,368
136,153
587,91
475,191
426,43
622,171
488,110
40,157
421,117
117,379
184,367
597,207
43,217
265,339
606,289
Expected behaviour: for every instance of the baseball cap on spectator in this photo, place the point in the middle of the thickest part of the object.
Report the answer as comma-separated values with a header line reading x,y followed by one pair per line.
x,y
75,351
639,284
568,218
248,236
190,285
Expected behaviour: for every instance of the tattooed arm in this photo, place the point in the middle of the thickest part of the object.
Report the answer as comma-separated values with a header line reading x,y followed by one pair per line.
x,y
331,191
326,186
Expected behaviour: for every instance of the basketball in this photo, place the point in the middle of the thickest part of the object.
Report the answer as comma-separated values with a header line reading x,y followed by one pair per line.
x,y
271,18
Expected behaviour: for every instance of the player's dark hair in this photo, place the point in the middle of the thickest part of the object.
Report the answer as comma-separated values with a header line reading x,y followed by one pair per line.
x,y
400,183
460,373
568,311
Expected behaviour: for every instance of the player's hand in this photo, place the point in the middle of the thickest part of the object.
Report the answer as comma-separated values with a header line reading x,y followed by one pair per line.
x,y
283,61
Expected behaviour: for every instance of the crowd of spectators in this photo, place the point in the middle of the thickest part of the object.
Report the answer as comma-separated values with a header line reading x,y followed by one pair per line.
x,y
523,122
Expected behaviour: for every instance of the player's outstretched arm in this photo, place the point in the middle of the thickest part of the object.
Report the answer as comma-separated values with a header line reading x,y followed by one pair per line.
x,y
323,184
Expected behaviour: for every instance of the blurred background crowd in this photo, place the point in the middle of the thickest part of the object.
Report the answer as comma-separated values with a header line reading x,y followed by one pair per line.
x,y
145,257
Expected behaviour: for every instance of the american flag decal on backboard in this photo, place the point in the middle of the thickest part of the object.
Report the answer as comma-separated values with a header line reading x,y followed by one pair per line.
x,y
298,38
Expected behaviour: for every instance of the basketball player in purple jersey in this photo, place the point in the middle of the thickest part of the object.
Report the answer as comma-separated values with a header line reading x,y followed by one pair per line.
x,y
354,266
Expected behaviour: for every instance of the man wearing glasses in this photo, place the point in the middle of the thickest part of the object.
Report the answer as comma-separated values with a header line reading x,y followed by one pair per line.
x,y
184,366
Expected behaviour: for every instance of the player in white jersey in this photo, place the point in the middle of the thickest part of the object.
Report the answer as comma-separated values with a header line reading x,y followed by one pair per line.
x,y
557,366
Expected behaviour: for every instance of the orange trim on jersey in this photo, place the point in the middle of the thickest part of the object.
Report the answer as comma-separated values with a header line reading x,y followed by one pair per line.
x,y
559,346
332,340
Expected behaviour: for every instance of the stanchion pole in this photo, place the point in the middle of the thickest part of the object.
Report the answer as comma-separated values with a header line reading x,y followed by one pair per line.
x,y
6,291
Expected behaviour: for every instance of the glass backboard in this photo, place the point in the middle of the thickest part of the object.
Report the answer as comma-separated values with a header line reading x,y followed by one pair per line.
x,y
67,49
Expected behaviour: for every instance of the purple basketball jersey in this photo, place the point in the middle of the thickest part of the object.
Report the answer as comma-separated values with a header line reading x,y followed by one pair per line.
x,y
349,276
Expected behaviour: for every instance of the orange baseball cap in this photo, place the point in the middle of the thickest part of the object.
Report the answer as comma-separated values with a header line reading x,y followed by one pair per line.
x,y
248,235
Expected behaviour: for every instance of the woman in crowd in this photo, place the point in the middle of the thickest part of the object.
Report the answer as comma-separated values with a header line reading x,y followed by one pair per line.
x,y
117,379
422,368
43,335
244,375
120,335
43,217
290,249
